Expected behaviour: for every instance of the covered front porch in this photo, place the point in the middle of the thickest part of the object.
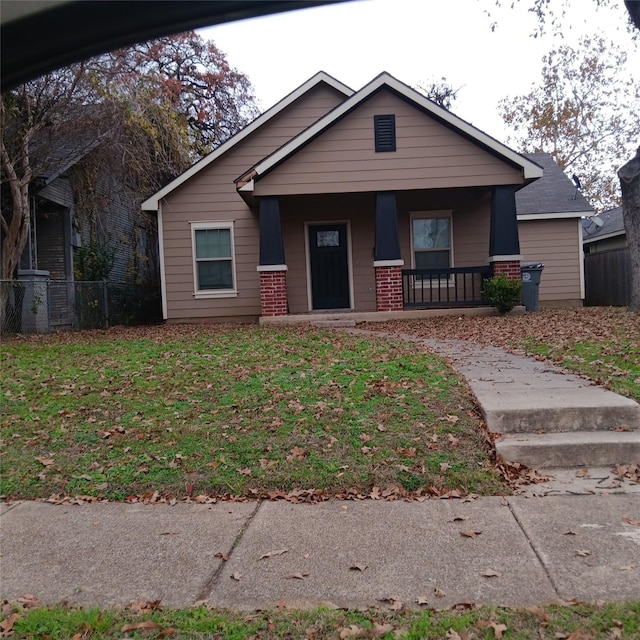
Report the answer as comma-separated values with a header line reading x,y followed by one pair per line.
x,y
384,252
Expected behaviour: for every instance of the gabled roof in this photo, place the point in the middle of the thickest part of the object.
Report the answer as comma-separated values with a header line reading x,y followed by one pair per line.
x,y
613,225
385,80
554,195
151,204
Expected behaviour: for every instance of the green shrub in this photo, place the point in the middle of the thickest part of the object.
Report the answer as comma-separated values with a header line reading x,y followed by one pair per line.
x,y
502,292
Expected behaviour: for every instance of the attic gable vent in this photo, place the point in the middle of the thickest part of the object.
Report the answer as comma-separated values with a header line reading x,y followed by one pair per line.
x,y
385,132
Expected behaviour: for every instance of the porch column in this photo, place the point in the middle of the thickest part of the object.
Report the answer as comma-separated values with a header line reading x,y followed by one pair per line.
x,y
272,266
504,244
387,259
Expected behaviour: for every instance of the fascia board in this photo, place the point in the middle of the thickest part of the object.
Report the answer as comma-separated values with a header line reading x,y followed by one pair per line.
x,y
152,203
530,169
554,216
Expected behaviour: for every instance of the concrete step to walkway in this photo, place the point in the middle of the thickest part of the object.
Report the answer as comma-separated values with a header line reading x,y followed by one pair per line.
x,y
571,449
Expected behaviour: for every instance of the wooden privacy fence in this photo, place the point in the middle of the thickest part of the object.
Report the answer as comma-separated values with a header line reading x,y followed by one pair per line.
x,y
607,278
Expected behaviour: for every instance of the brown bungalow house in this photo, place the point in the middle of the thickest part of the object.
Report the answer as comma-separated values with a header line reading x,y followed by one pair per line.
x,y
375,200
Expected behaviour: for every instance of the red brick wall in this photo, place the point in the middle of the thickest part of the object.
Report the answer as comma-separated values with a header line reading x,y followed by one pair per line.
x,y
509,268
273,293
389,288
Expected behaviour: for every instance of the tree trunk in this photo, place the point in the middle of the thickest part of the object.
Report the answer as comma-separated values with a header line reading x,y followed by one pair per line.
x,y
629,175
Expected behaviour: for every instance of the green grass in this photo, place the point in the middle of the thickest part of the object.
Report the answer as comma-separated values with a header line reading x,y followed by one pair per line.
x,y
239,410
591,622
615,364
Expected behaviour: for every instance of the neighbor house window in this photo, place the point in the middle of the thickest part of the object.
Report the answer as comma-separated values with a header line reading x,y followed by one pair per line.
x,y
213,259
431,240
385,132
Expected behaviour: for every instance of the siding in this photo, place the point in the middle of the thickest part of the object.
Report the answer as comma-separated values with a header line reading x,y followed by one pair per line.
x,y
554,243
211,195
429,155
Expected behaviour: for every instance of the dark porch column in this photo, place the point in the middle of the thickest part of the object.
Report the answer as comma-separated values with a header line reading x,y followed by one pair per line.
x,y
387,259
504,244
271,245
272,267
387,241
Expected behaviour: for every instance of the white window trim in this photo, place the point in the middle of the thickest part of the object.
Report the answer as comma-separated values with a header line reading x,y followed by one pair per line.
x,y
213,293
439,213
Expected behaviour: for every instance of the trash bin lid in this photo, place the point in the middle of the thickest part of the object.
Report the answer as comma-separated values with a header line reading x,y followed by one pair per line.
x,y
531,266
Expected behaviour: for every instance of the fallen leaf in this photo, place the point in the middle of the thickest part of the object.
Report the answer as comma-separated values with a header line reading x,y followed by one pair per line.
x,y
394,602
146,625
358,566
569,533
245,472
444,466
459,518
635,523
539,611
297,576
270,554
46,462
490,573
439,593
422,600
6,626
352,631
470,534
453,440
628,567
224,556
381,629
582,473
237,576
583,553
498,629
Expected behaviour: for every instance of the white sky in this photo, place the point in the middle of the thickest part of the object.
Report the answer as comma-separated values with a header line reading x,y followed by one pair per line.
x,y
416,41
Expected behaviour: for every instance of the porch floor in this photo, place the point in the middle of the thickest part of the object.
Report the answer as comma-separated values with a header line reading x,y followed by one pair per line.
x,y
350,318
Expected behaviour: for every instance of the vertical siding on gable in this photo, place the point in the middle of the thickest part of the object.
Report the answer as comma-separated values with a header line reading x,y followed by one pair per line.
x,y
211,195
554,243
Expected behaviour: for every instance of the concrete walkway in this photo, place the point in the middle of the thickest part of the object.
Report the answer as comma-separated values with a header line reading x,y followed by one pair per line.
x,y
515,551
501,551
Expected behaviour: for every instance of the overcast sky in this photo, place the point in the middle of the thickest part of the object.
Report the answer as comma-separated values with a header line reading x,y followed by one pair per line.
x,y
416,41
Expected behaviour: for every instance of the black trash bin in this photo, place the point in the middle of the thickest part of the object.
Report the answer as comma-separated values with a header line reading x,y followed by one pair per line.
x,y
531,273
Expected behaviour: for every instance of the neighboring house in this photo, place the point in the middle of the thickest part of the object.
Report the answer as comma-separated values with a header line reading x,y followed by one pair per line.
x,y
58,231
605,231
369,200
550,213
607,259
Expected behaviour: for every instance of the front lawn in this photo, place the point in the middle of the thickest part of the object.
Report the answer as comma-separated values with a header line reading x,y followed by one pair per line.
x,y
175,411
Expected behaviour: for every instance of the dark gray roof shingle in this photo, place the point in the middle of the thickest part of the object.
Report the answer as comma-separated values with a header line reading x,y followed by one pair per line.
x,y
613,225
553,193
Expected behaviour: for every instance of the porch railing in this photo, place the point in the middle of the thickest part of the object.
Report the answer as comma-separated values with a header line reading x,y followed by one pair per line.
x,y
452,287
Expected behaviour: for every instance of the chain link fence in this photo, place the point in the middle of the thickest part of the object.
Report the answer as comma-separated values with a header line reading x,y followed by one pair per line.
x,y
40,306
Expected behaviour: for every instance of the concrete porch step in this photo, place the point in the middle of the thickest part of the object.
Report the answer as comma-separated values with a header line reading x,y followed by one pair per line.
x,y
587,408
571,449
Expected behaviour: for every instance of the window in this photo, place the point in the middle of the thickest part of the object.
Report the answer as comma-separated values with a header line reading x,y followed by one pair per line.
x,y
431,238
213,259
385,132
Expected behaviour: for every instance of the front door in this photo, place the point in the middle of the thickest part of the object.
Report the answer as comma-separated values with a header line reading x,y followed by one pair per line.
x,y
329,263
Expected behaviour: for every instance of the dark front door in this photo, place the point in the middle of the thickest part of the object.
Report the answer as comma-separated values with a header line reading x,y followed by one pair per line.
x,y
329,266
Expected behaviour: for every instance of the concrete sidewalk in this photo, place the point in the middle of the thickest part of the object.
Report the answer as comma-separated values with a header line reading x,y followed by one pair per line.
x,y
501,551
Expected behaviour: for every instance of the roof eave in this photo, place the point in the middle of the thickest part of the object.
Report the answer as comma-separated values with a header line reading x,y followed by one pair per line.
x,y
530,170
152,203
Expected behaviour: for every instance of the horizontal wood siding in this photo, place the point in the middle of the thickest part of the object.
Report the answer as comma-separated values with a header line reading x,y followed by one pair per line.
x,y
210,195
429,155
554,243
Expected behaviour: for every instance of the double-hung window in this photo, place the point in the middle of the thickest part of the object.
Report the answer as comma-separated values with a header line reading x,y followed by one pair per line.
x,y
431,240
213,259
